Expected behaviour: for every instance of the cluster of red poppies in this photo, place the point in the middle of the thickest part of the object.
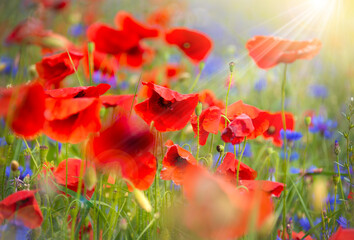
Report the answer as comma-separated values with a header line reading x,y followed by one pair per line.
x,y
124,144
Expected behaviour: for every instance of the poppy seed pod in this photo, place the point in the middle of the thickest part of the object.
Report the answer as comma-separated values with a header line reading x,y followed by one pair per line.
x,y
198,109
10,139
14,165
142,200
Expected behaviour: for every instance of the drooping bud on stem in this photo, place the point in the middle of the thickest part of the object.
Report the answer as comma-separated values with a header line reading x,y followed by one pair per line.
x,y
14,165
10,139
220,148
142,200
90,47
90,178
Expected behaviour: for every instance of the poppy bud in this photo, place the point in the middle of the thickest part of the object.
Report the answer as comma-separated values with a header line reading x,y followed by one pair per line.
x,y
157,215
185,76
198,109
336,148
123,224
91,47
10,139
14,165
232,67
32,71
220,148
308,121
43,151
142,200
201,66
90,178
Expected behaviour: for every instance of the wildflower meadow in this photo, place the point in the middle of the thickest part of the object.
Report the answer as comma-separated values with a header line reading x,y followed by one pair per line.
x,y
188,119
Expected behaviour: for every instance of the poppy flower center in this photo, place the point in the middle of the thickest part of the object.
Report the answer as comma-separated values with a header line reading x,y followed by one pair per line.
x,y
80,94
180,162
164,103
271,130
186,45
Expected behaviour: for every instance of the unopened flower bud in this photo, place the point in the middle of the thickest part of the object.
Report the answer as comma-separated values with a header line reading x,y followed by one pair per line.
x,y
90,178
185,76
220,148
91,47
43,151
10,139
335,179
14,165
142,200
198,109
201,66
32,71
336,147
308,121
232,67
53,42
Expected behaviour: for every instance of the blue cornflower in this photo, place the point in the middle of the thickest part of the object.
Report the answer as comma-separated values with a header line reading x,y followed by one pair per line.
x,y
323,126
305,223
343,222
246,153
77,30
213,65
330,201
260,85
291,135
14,230
319,91
2,141
98,77
23,172
8,66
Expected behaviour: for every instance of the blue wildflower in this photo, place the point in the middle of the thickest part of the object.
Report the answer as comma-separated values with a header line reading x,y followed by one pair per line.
x,y
98,77
246,153
260,85
291,135
77,30
14,230
318,91
23,172
343,222
324,126
124,85
8,66
305,223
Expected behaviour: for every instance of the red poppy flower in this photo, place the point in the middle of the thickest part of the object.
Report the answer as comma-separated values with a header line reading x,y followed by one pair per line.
x,y
343,234
172,71
276,124
125,21
170,110
238,129
228,169
124,148
274,188
22,206
123,102
175,164
73,113
74,174
23,107
136,56
110,40
295,235
267,52
29,31
208,97
194,44
260,123
216,210
208,123
53,69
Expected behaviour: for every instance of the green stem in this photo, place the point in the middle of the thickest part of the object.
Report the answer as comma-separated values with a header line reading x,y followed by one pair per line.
x,y
240,160
198,146
196,79
340,179
285,147
211,143
76,73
